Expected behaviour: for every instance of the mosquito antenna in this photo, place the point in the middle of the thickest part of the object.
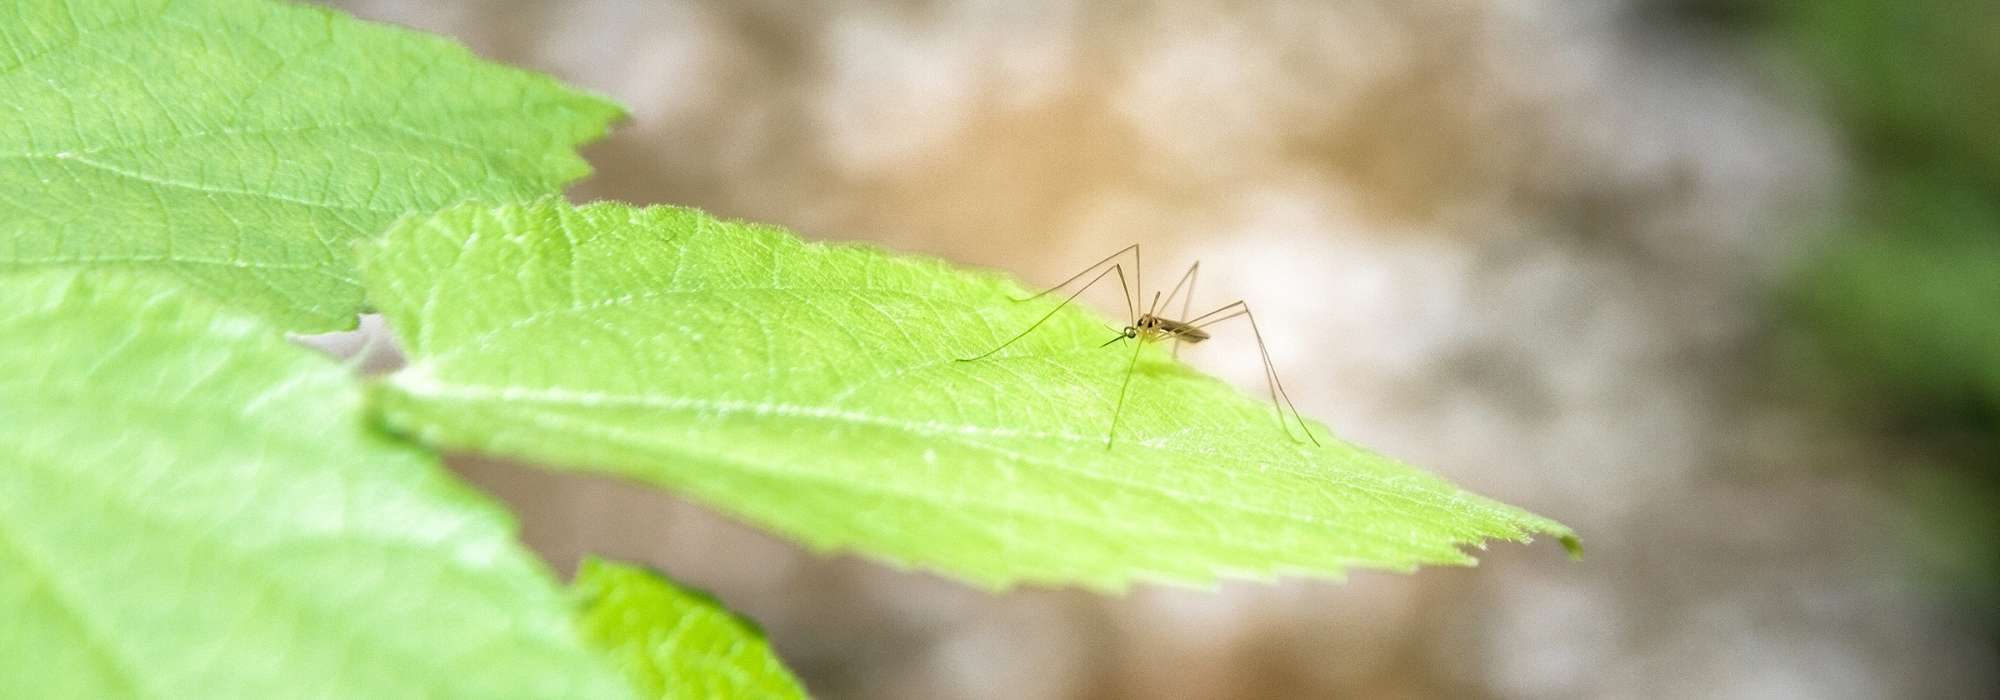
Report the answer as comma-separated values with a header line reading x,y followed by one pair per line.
x,y
1155,306
1052,312
1119,410
1273,383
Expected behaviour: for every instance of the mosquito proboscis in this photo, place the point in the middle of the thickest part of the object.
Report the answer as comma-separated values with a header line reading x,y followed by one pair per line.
x,y
1150,327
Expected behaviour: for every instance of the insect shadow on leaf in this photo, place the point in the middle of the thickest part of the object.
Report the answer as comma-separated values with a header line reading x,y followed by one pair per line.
x,y
1151,326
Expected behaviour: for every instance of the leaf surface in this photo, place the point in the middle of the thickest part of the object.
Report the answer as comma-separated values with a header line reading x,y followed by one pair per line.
x,y
675,643
813,389
192,507
243,145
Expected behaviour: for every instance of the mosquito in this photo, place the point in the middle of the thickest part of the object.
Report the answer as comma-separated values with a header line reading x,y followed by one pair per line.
x,y
1151,327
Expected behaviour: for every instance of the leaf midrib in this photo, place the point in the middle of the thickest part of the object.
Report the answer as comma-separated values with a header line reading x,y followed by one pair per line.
x,y
483,338
422,380
1360,483
1054,552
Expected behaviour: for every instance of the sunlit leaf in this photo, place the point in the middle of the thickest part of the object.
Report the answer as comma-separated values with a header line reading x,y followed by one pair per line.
x,y
243,145
192,508
814,390
673,643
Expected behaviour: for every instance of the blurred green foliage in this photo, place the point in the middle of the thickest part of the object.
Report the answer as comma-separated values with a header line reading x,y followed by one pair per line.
x,y
1911,81
1903,304
1904,301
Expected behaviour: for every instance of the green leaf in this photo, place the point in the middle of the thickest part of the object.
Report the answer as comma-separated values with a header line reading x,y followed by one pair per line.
x,y
675,643
243,145
813,389
192,507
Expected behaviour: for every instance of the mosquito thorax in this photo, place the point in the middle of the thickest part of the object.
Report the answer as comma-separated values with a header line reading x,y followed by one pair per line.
x,y
1149,327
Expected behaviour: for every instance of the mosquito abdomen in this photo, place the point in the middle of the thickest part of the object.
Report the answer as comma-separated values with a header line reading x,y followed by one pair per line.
x,y
1186,333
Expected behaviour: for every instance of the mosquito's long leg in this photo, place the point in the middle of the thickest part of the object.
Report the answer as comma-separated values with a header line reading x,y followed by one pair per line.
x,y
1131,296
1270,375
1119,410
1234,310
1272,382
1187,302
1213,317
1187,279
1125,291
1118,268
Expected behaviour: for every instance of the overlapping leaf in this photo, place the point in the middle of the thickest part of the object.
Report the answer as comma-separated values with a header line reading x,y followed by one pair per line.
x,y
673,643
190,507
243,145
814,390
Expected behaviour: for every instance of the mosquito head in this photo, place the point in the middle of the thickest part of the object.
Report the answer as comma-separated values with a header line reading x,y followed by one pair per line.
x,y
1127,333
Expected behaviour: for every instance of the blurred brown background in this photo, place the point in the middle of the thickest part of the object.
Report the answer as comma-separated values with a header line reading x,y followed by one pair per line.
x,y
1544,248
